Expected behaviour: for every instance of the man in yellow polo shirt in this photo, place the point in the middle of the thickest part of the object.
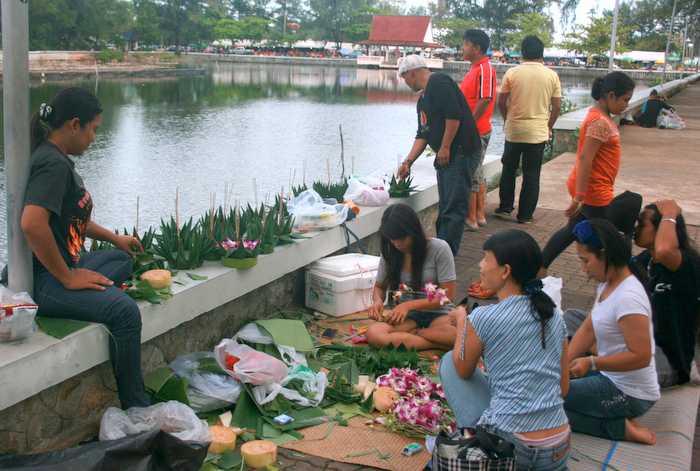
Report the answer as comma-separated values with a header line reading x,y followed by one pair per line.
x,y
529,101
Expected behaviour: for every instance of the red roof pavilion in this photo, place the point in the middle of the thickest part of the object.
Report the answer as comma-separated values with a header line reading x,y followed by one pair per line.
x,y
407,31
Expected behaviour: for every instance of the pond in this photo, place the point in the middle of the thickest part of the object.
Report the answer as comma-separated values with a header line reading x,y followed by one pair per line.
x,y
252,128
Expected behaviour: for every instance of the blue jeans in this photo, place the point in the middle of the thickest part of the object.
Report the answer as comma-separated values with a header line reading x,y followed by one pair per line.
x,y
596,407
111,307
454,190
469,398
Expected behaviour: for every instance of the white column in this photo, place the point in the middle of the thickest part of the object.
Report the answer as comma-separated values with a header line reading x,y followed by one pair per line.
x,y
15,87
613,36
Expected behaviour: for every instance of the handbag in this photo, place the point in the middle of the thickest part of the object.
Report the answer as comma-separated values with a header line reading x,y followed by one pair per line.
x,y
483,451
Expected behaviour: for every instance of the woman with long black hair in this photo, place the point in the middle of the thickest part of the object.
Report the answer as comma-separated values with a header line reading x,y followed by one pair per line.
x,y
410,258
592,179
613,387
522,341
56,220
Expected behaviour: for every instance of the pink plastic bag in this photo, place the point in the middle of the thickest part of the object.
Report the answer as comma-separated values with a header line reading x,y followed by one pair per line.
x,y
252,367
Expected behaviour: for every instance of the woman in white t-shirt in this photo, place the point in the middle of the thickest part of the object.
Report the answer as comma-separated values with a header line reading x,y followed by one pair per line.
x,y
609,390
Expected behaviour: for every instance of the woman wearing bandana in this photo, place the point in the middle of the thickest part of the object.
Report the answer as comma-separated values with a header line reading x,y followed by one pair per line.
x,y
615,385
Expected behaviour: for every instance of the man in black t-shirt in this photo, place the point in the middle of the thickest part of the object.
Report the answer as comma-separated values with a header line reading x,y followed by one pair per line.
x,y
447,125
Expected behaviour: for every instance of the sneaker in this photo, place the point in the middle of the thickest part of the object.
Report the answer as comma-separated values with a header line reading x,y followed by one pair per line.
x,y
524,220
503,214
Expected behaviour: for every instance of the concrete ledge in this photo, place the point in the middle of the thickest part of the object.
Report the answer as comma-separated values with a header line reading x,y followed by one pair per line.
x,y
569,123
29,367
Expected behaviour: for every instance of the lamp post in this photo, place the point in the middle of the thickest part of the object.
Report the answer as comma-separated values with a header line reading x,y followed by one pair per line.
x,y
15,87
670,33
613,37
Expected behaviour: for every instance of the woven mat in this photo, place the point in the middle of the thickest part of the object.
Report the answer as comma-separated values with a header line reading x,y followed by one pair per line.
x,y
357,438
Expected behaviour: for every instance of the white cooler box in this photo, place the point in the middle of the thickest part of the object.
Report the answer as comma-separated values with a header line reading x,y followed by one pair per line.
x,y
342,284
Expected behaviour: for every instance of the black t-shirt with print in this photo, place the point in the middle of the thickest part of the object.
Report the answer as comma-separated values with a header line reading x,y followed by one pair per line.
x,y
674,301
442,100
54,185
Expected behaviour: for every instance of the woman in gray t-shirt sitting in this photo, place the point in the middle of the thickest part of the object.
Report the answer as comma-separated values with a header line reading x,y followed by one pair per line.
x,y
410,258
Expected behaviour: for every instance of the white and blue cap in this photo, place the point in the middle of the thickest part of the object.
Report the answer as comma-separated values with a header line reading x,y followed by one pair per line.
x,y
412,62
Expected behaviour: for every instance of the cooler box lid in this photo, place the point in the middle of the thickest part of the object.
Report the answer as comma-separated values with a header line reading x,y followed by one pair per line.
x,y
346,265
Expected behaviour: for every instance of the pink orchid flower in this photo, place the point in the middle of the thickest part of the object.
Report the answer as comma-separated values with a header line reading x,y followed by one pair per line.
x,y
229,244
250,244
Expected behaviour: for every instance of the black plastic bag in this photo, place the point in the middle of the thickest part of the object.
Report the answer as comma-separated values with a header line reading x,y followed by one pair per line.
x,y
148,451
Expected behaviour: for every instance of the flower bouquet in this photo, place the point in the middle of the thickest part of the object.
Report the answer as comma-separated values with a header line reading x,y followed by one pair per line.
x,y
421,409
430,291
242,252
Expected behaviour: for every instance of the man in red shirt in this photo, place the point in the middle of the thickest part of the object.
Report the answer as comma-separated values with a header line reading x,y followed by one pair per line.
x,y
479,88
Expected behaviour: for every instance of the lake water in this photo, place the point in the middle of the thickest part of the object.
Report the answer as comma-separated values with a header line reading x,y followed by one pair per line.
x,y
245,126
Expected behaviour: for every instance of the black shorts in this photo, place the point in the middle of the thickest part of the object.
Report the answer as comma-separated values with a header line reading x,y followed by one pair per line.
x,y
423,319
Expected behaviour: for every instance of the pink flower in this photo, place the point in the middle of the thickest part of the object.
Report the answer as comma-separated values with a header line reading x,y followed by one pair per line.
x,y
229,244
250,244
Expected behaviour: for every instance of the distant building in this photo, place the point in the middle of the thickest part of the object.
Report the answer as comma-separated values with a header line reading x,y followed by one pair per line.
x,y
391,36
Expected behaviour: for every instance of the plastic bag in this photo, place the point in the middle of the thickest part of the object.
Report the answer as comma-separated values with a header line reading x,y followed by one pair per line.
x,y
312,214
252,333
17,315
365,193
171,417
668,119
252,367
313,386
553,286
147,451
206,391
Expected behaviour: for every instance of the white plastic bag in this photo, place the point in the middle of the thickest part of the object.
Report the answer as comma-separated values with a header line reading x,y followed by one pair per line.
x,y
206,391
668,119
366,193
252,333
17,315
171,417
313,384
312,214
553,286
253,367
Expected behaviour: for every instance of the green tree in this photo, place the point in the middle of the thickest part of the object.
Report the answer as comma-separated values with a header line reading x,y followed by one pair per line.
x,y
496,15
450,31
147,22
594,39
526,24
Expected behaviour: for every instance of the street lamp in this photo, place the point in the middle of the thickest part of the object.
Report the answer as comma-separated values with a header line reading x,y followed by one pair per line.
x,y
613,37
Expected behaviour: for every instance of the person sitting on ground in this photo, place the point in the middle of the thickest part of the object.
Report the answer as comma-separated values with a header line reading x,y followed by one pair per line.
x,y
523,343
609,390
410,258
56,219
592,180
648,115
672,266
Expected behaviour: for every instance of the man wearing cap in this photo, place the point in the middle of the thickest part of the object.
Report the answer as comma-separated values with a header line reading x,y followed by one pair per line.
x,y
446,124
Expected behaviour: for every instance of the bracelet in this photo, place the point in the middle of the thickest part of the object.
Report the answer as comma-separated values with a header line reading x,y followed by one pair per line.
x,y
593,365
669,220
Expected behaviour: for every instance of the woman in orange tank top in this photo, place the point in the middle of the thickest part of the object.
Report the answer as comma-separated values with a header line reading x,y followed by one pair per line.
x,y
591,182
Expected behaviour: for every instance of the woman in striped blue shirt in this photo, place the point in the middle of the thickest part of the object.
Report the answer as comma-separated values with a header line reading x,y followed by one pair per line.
x,y
523,343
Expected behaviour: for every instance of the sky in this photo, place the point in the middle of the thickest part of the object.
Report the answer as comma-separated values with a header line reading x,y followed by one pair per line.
x,y
582,16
